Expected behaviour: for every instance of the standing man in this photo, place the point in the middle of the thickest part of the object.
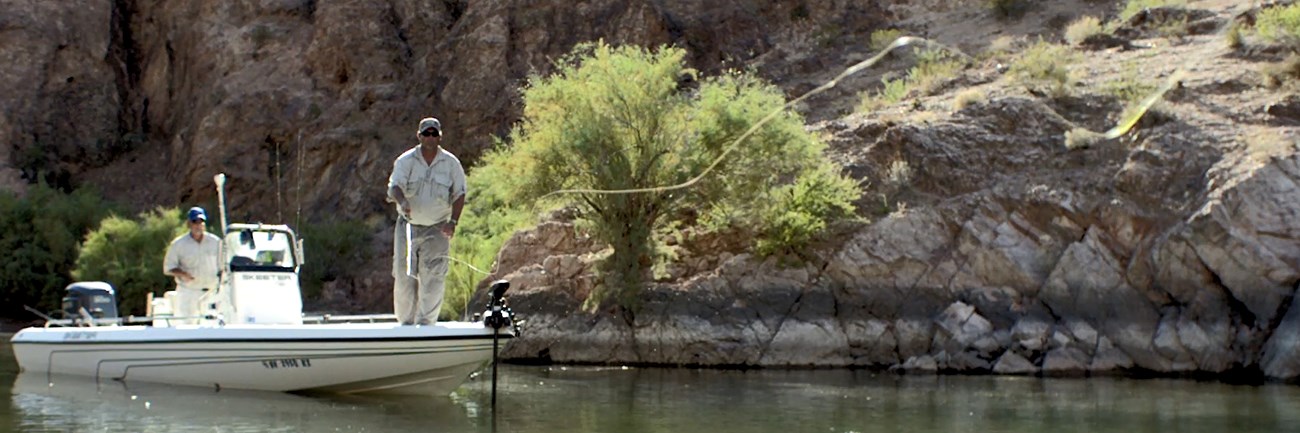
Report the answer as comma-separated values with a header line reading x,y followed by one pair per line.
x,y
428,185
193,261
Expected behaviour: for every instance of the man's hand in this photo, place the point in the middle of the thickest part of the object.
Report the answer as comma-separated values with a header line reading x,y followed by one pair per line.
x,y
405,208
448,229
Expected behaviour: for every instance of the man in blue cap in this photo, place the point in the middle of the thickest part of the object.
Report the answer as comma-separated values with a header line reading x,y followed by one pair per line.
x,y
193,261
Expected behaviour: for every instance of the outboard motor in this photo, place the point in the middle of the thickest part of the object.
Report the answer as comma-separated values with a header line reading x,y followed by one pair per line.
x,y
95,297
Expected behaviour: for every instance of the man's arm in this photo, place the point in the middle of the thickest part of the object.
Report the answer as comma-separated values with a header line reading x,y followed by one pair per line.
x,y
395,195
178,273
172,266
449,229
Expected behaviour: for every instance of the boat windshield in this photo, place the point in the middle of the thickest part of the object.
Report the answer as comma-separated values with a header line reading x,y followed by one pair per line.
x,y
259,250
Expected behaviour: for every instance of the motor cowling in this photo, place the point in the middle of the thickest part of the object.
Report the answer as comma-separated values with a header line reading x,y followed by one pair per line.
x,y
97,298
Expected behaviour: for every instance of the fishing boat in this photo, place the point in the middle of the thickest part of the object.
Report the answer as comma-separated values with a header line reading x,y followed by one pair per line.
x,y
251,333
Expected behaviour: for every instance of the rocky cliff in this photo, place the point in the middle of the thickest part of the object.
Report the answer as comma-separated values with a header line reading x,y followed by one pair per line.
x,y
1172,249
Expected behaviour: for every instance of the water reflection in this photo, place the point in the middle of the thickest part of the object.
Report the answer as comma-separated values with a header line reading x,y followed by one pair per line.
x,y
68,403
613,400
667,400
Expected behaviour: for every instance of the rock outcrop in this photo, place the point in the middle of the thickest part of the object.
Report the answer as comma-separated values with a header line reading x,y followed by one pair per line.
x,y
1174,255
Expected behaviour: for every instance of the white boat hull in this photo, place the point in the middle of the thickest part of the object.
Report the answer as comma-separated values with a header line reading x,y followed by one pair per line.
x,y
337,358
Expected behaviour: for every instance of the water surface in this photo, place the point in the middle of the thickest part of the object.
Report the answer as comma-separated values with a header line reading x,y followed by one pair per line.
x,y
593,399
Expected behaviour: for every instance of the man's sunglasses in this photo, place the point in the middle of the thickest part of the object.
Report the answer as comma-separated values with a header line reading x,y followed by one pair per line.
x,y
429,133
197,221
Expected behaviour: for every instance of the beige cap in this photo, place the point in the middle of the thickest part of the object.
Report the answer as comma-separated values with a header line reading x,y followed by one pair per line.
x,y
430,122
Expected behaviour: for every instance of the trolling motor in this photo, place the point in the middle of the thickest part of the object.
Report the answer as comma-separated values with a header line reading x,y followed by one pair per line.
x,y
498,316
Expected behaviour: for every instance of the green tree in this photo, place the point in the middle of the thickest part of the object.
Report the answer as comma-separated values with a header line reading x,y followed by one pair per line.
x,y
621,118
39,237
128,253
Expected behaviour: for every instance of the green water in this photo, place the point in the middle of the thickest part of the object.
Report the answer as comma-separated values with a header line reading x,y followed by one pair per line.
x,y
590,399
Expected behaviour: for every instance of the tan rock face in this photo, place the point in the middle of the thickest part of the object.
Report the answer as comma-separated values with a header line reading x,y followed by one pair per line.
x,y
308,102
62,108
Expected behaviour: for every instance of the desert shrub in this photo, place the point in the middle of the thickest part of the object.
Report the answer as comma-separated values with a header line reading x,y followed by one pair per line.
x,y
882,38
1280,24
891,91
40,234
1082,28
128,253
618,118
1002,46
1133,7
966,98
1129,88
1045,67
332,250
1284,73
933,68
1234,37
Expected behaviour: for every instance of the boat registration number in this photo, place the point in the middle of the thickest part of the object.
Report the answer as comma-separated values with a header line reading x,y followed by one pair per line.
x,y
287,363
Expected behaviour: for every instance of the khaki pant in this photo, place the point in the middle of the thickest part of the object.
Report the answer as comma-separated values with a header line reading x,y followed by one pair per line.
x,y
417,295
188,304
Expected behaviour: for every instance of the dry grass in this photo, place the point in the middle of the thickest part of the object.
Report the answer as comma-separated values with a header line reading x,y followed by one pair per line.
x,y
899,174
1082,28
1283,74
967,98
1265,145
1080,138
1234,37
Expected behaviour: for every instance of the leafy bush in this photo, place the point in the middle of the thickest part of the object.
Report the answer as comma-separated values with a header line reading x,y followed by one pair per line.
x,y
800,211
332,251
618,119
1280,24
39,237
128,253
1045,67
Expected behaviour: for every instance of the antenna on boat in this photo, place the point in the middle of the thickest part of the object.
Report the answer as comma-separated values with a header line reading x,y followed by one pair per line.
x,y
220,179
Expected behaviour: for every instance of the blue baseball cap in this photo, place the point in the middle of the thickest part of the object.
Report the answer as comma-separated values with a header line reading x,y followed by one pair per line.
x,y
197,213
